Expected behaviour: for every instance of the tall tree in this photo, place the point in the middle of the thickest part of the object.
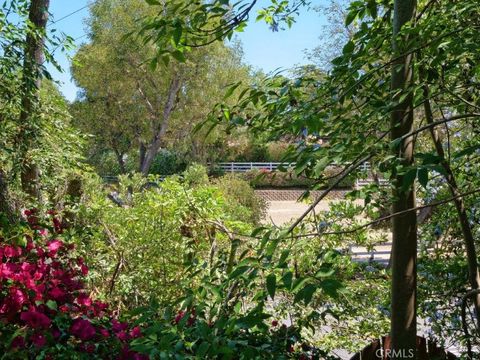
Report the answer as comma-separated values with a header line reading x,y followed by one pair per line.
x,y
33,62
130,101
404,227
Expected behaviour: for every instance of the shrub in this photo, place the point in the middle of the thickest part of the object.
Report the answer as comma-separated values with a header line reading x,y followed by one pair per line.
x,y
195,175
45,310
240,195
143,248
167,163
47,313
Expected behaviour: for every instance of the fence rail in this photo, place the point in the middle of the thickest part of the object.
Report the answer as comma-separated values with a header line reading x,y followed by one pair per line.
x,y
236,167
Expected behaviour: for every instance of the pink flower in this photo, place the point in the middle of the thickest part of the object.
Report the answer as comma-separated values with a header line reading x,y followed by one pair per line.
x,y
179,317
57,225
30,245
10,251
7,270
90,348
28,267
84,269
136,332
54,245
43,232
122,336
18,342
56,293
38,340
56,333
118,326
82,329
128,354
17,298
35,319
104,332
84,299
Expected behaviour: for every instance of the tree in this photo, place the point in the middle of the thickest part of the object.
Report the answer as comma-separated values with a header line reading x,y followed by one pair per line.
x,y
154,102
369,81
334,35
31,81
404,227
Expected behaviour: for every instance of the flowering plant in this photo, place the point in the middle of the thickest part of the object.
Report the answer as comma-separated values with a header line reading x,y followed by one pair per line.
x,y
45,310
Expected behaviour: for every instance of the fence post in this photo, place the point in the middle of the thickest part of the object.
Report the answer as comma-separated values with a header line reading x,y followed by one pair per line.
x,y
231,167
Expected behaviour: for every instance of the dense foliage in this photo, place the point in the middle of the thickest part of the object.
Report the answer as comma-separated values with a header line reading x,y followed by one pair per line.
x,y
154,267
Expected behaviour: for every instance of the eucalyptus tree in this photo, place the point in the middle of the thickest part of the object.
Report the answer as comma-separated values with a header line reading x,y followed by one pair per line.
x,y
128,100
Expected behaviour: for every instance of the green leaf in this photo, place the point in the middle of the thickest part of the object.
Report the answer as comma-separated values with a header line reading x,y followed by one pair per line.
x,y
177,34
203,349
408,179
331,287
299,283
287,280
179,55
350,17
325,273
306,294
349,47
423,177
271,285
238,271
51,304
231,90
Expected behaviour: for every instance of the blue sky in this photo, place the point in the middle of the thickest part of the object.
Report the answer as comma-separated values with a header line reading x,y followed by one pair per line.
x,y
264,49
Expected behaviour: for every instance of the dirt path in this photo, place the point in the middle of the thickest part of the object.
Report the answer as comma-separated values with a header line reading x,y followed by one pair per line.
x,y
282,212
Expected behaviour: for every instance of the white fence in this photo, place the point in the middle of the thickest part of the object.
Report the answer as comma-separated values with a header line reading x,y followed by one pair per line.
x,y
239,167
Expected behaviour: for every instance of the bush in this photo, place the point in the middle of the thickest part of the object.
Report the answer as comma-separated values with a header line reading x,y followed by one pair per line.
x,y
239,194
47,313
45,310
167,163
195,175
143,248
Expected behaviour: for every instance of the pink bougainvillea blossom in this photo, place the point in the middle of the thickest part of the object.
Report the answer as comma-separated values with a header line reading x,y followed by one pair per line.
x,y
35,319
83,329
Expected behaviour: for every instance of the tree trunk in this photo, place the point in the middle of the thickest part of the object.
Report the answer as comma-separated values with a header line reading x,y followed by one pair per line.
x,y
33,60
120,160
6,204
468,237
404,228
152,149
142,151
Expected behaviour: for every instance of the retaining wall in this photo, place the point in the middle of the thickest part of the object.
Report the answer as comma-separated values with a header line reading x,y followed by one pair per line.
x,y
294,194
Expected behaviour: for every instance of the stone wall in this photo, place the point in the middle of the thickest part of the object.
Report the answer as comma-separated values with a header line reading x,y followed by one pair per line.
x,y
294,194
